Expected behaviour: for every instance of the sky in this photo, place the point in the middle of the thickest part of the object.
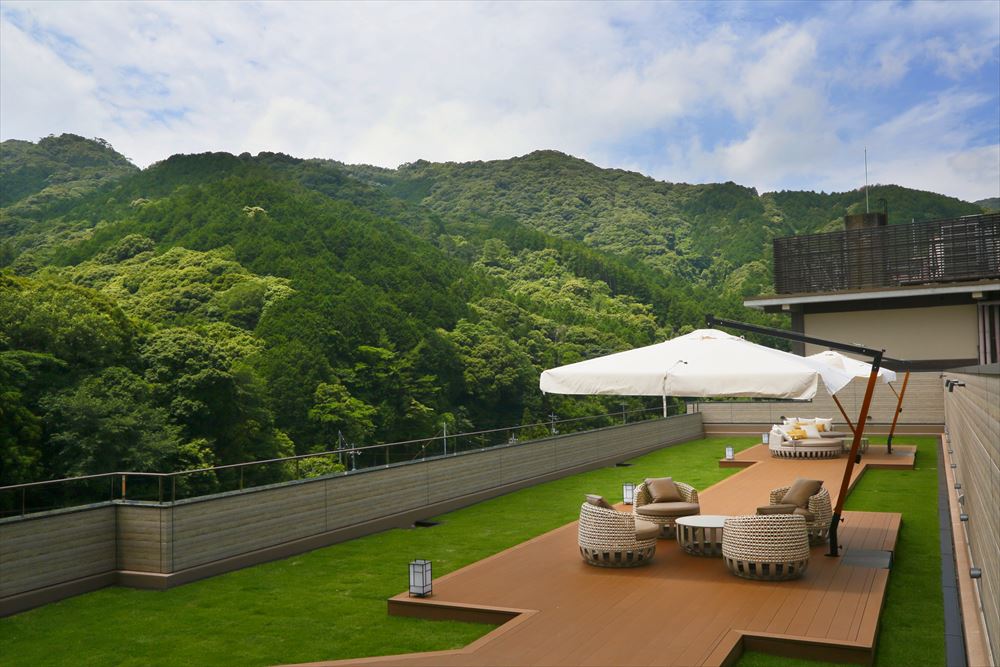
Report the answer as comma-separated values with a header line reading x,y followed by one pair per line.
x,y
779,95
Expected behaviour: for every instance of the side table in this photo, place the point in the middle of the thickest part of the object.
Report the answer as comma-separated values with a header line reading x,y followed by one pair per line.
x,y
701,534
863,448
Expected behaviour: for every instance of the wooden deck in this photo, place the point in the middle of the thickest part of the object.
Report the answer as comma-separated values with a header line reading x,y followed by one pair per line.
x,y
553,609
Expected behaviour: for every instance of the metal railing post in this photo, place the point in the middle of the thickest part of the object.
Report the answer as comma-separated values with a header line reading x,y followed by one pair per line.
x,y
474,440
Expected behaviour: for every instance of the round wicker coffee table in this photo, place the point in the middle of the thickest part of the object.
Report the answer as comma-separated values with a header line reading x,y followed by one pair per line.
x,y
701,534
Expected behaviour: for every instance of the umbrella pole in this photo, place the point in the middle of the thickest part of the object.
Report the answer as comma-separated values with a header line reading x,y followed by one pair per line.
x,y
853,457
899,408
846,418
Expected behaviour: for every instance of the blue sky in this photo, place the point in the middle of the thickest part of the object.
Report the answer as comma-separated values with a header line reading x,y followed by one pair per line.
x,y
773,95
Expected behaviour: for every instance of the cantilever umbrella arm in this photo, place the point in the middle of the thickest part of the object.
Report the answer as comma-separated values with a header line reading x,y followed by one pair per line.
x,y
859,430
843,412
899,409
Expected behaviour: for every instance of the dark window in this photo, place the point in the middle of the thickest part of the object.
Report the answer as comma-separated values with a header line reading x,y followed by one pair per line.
x,y
989,332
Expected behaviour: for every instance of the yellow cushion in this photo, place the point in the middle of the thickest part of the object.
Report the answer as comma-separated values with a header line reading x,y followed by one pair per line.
x,y
797,434
820,427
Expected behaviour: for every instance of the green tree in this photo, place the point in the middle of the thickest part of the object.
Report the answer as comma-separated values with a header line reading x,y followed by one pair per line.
x,y
496,371
212,393
337,412
72,323
20,427
109,422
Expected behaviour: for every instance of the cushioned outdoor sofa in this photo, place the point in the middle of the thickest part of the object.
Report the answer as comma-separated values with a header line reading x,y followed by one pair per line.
x,y
805,438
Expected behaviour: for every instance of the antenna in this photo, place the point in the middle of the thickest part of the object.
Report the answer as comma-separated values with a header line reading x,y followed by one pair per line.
x,y
866,181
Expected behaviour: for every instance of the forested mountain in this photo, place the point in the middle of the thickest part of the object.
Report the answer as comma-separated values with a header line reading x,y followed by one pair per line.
x,y
214,308
702,233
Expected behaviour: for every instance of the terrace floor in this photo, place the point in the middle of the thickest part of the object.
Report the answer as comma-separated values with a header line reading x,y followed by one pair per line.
x,y
553,609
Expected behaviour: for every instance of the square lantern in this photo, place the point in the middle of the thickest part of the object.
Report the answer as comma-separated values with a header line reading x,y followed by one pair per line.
x,y
421,584
628,492
765,438
729,453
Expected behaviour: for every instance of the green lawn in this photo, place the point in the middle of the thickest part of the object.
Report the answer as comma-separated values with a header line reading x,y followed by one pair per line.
x,y
330,603
326,604
912,626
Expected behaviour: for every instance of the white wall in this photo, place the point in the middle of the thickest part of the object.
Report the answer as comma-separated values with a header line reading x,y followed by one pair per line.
x,y
939,332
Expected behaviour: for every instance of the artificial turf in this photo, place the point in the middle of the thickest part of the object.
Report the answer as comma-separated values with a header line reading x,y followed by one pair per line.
x,y
329,603
911,631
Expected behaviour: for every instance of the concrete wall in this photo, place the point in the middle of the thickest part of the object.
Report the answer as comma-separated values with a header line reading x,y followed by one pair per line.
x,y
941,332
66,547
973,419
158,546
923,409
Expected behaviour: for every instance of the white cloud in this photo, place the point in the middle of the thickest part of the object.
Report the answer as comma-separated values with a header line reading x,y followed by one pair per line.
x,y
620,84
40,94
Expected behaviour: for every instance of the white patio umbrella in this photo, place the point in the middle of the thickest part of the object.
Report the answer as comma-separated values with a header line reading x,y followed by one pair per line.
x,y
860,369
704,363
853,367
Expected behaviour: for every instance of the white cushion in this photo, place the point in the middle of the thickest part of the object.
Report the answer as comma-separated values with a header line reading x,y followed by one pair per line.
x,y
812,431
828,423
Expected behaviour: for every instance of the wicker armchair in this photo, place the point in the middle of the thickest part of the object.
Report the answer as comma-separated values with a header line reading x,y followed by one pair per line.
x,y
665,517
774,547
819,513
609,538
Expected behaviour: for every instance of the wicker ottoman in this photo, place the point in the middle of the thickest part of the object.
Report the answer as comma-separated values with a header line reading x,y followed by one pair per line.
x,y
848,441
771,547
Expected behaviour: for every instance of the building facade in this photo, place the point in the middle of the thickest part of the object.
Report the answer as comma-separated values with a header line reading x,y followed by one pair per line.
x,y
927,293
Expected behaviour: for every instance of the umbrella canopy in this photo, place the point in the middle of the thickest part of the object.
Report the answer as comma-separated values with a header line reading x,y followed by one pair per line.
x,y
853,367
704,363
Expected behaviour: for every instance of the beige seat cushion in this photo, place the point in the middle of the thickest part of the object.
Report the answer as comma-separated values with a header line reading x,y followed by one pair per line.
x,y
801,490
814,442
785,508
644,530
836,434
598,501
809,516
669,509
663,490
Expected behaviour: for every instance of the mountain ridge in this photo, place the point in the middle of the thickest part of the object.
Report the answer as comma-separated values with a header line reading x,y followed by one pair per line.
x,y
259,305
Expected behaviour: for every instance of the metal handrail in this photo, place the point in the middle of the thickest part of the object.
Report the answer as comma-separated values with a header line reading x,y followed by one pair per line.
x,y
350,451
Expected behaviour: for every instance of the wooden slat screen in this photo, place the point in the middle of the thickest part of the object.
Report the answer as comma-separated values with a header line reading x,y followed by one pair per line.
x,y
923,252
